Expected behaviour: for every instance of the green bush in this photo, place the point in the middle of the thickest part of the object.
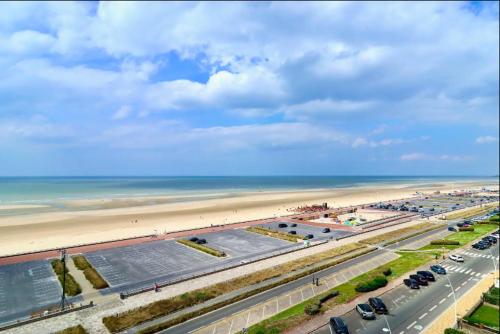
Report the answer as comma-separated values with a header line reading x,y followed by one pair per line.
x,y
466,229
372,285
203,248
445,242
328,296
491,298
387,272
73,330
452,331
495,291
312,309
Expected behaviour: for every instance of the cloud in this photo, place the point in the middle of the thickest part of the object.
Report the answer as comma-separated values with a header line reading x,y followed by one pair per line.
x,y
486,140
413,157
122,113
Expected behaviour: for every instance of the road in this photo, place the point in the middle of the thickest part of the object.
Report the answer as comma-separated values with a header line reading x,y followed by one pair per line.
x,y
224,312
410,311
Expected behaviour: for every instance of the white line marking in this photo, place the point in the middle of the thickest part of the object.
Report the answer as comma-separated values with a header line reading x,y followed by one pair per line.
x,y
411,325
468,271
248,318
457,289
432,308
450,294
464,283
422,316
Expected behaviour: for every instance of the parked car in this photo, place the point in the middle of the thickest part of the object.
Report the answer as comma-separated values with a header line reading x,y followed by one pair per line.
x,y
411,283
491,239
365,311
460,224
427,274
338,326
282,225
309,236
292,232
421,280
293,225
479,246
326,230
201,241
438,269
452,229
456,258
378,305
193,239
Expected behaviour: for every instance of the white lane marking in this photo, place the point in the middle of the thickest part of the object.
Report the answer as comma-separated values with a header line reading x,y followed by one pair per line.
x,y
478,274
461,271
458,288
468,271
442,301
432,308
473,273
402,332
411,325
450,294
464,283
422,316
483,275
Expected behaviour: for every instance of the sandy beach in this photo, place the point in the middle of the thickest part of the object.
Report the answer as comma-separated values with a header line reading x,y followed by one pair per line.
x,y
137,216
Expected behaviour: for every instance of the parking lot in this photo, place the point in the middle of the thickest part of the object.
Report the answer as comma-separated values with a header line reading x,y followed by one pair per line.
x,y
27,287
136,266
239,242
303,229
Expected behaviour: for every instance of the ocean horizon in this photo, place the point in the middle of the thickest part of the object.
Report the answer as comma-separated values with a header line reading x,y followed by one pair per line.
x,y
42,189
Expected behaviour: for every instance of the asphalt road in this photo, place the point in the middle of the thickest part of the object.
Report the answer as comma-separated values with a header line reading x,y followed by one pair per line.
x,y
410,311
221,313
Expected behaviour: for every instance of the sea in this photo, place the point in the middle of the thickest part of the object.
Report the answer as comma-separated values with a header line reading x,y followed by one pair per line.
x,y
41,190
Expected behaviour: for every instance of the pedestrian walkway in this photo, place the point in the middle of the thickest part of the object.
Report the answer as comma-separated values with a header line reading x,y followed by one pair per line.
x,y
265,310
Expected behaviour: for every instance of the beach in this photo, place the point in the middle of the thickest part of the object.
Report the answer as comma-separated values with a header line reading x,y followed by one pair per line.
x,y
136,216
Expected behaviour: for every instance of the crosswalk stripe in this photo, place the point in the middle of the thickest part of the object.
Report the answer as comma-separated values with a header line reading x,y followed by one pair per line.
x,y
468,271
462,270
478,274
473,273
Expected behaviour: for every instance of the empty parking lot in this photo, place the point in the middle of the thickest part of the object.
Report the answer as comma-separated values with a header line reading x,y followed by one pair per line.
x,y
27,287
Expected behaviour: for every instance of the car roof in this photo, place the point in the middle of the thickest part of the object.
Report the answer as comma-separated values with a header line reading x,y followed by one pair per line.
x,y
365,307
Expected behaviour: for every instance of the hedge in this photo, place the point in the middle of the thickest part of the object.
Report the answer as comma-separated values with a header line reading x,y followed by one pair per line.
x,y
312,309
466,229
445,242
377,282
203,248
452,331
387,272
90,273
328,296
72,286
491,298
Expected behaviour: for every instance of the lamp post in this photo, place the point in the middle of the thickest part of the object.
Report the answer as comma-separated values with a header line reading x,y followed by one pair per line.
x,y
454,299
63,296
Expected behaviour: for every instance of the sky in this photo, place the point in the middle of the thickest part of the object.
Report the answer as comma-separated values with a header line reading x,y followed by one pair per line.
x,y
249,88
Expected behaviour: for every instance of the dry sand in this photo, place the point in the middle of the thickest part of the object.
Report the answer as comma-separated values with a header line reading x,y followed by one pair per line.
x,y
23,233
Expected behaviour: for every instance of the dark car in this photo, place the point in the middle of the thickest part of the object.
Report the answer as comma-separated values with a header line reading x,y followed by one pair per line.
x,y
282,225
326,230
427,274
460,224
338,326
378,305
201,241
479,246
411,283
491,239
452,229
292,232
193,239
421,280
365,311
293,225
309,236
431,209
438,269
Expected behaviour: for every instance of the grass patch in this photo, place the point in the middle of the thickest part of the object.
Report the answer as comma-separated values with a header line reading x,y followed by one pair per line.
x,y
295,316
464,237
407,232
122,321
472,212
202,248
73,330
72,287
485,315
90,273
275,234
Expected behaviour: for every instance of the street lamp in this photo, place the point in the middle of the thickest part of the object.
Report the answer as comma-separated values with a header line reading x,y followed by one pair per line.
x,y
454,298
63,297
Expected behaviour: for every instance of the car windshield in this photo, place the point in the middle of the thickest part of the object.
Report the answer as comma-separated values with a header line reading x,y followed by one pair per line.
x,y
365,307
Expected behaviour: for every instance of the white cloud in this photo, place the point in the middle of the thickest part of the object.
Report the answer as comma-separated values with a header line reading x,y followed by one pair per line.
x,y
122,113
413,157
486,140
